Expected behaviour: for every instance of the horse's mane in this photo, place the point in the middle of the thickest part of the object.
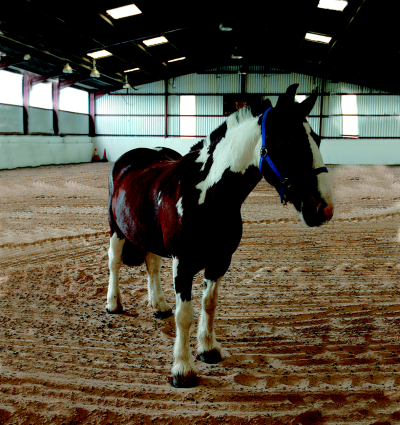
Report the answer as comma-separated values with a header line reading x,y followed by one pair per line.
x,y
232,121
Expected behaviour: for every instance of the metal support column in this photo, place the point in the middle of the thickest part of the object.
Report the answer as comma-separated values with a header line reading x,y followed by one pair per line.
x,y
92,126
166,109
26,90
321,106
55,91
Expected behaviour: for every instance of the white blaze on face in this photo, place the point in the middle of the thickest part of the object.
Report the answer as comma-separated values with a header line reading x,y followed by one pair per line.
x,y
179,207
159,198
324,182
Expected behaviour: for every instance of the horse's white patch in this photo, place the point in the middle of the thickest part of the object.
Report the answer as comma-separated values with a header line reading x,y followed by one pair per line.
x,y
183,361
324,182
203,155
175,262
206,340
114,263
157,149
159,198
179,207
237,151
156,294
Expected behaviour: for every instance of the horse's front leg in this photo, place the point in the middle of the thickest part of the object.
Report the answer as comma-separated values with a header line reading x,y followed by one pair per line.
x,y
114,302
208,349
183,370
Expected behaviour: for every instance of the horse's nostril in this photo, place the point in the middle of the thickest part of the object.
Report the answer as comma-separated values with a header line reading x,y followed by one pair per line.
x,y
328,211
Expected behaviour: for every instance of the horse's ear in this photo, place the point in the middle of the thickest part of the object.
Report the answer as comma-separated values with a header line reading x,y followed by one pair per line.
x,y
288,97
306,106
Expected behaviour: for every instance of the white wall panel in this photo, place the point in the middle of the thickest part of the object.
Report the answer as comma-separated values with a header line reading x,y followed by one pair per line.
x,y
204,126
278,83
205,83
72,123
40,120
209,105
11,119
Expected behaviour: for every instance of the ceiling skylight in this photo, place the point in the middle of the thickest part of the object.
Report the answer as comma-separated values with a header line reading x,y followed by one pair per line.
x,y
131,70
332,4
124,11
154,41
319,38
99,54
177,59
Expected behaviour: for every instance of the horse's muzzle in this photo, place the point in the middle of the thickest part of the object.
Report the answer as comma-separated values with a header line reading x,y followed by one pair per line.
x,y
316,215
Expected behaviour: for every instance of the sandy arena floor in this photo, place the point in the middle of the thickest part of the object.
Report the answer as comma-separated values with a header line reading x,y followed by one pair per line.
x,y
308,318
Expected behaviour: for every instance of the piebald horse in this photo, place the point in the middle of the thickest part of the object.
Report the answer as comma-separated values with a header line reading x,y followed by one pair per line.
x,y
187,208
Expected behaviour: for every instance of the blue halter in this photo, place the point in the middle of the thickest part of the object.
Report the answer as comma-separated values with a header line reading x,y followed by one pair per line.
x,y
286,182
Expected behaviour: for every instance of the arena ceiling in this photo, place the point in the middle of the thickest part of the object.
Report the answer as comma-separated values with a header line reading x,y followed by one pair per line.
x,y
270,36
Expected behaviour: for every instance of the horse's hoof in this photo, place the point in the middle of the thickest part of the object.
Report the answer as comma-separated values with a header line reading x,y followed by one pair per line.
x,y
116,311
163,314
181,381
210,357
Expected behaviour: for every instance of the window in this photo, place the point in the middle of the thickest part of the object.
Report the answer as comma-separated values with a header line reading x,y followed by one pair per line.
x,y
187,124
350,118
74,100
41,96
10,88
300,97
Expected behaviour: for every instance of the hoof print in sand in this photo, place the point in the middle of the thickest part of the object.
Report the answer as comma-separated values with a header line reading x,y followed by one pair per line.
x,y
162,314
210,357
181,381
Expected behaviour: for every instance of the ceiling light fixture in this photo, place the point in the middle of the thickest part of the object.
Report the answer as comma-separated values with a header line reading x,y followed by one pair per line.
x,y
126,84
223,27
27,56
332,4
177,59
124,11
99,54
67,69
131,70
155,41
95,73
319,38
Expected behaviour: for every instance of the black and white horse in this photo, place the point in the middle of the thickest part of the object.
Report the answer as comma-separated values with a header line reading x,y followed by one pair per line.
x,y
188,208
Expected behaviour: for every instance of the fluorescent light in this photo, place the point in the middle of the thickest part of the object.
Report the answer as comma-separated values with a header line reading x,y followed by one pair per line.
x,y
319,38
177,59
99,54
130,70
124,11
154,41
332,4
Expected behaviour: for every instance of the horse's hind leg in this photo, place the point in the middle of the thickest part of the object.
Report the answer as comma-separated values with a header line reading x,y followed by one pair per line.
x,y
114,303
156,295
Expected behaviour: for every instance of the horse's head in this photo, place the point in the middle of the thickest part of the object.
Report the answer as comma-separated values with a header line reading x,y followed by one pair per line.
x,y
291,160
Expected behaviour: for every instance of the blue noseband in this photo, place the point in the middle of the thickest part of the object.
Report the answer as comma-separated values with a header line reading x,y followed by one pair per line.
x,y
286,182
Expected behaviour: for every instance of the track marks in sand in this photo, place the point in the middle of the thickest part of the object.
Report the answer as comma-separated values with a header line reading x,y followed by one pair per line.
x,y
308,320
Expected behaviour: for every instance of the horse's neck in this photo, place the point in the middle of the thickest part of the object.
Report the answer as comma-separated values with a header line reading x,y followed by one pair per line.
x,y
233,157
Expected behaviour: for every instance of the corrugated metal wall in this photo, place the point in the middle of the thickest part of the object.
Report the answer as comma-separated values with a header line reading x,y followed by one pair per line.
x,y
141,111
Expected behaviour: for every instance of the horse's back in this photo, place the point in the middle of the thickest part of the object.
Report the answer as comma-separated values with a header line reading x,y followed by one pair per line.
x,y
137,159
